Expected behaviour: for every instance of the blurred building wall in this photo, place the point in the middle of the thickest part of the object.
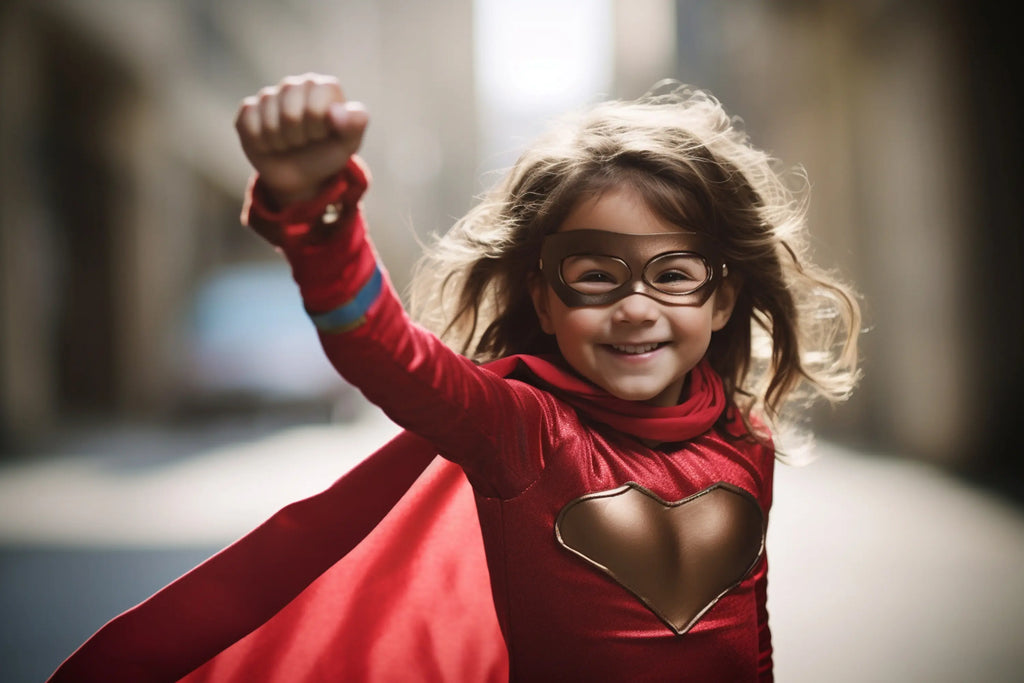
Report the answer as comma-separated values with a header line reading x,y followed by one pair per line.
x,y
865,97
121,177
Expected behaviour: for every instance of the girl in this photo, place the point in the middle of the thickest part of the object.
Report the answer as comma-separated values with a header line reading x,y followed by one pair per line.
x,y
633,306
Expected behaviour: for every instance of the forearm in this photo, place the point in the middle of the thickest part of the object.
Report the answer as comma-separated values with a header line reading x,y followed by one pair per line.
x,y
422,385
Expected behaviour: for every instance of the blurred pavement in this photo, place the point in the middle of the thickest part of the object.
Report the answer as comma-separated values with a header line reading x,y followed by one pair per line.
x,y
883,570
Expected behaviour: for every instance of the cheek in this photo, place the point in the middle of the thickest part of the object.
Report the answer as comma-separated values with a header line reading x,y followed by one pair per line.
x,y
696,324
564,327
575,330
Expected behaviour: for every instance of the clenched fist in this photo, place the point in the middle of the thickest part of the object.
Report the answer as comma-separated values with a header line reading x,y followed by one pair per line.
x,y
299,133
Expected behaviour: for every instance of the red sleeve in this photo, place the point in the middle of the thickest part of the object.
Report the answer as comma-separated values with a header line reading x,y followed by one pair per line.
x,y
472,416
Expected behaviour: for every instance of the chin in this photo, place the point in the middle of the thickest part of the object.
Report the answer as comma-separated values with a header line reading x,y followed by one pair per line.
x,y
639,395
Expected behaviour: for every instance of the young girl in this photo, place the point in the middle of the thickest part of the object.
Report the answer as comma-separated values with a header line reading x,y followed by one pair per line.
x,y
633,306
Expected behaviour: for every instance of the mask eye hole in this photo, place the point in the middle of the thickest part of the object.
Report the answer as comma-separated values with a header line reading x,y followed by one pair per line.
x,y
594,274
677,273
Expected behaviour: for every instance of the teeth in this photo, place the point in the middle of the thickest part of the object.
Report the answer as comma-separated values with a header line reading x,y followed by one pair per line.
x,y
635,348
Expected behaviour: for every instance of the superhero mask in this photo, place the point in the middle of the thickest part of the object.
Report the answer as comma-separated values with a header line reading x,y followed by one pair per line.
x,y
599,267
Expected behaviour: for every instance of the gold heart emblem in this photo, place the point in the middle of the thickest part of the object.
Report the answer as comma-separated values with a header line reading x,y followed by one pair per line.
x,y
678,558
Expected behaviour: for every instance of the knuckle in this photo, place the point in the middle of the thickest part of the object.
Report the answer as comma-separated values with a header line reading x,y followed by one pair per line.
x,y
247,122
291,115
328,87
292,110
298,79
269,110
318,105
289,88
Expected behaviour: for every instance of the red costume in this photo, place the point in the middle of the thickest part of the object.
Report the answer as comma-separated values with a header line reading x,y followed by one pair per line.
x,y
608,558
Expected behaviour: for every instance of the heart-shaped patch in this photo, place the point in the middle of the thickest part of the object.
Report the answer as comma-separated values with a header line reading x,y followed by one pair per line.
x,y
677,558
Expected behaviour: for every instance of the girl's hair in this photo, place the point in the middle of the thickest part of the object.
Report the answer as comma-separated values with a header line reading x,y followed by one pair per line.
x,y
793,331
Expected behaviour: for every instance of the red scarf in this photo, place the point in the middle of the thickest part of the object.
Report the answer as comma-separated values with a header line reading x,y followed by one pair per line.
x,y
381,575
692,417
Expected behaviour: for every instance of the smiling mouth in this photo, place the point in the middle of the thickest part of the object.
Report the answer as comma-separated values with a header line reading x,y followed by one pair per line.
x,y
636,349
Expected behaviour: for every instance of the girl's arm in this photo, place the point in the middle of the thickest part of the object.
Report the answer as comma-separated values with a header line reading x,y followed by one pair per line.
x,y
300,137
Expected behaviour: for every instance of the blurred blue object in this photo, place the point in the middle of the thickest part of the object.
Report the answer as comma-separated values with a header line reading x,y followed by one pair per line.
x,y
249,343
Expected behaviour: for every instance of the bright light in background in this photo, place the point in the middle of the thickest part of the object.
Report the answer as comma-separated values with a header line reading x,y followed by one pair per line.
x,y
536,59
535,54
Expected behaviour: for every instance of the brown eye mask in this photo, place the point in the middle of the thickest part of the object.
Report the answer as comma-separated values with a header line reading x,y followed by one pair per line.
x,y
599,267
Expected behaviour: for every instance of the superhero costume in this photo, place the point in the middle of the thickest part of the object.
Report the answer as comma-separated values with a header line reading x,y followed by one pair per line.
x,y
582,523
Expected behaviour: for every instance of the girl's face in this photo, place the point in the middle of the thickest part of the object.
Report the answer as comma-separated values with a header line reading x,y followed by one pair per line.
x,y
637,348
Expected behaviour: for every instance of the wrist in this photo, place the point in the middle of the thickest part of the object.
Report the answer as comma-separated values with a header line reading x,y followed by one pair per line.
x,y
284,199
304,220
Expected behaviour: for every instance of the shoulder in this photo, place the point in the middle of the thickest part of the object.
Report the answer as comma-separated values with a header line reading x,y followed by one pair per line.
x,y
745,457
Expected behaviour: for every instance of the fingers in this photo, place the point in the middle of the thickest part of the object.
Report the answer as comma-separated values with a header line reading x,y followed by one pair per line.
x,y
295,113
349,120
249,125
270,120
320,96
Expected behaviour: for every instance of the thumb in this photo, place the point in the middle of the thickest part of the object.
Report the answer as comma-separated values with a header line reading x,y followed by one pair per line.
x,y
348,120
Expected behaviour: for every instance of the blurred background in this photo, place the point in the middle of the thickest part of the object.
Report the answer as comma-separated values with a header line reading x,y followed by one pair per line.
x,y
161,391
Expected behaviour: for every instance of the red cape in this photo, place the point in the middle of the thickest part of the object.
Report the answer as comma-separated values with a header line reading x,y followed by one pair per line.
x,y
380,577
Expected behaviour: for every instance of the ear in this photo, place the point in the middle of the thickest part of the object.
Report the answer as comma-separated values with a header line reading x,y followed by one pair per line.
x,y
539,292
723,301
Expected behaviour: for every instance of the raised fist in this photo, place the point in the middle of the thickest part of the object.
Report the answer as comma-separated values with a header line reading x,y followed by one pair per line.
x,y
299,133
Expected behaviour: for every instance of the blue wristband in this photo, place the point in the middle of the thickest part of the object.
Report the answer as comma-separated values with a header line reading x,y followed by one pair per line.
x,y
351,315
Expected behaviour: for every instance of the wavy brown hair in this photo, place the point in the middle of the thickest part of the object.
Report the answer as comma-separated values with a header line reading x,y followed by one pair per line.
x,y
793,331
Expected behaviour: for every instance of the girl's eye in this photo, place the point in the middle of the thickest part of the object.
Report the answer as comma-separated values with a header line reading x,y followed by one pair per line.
x,y
594,274
678,273
673,276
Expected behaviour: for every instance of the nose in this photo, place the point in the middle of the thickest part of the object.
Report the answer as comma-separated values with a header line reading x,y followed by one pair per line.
x,y
635,309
